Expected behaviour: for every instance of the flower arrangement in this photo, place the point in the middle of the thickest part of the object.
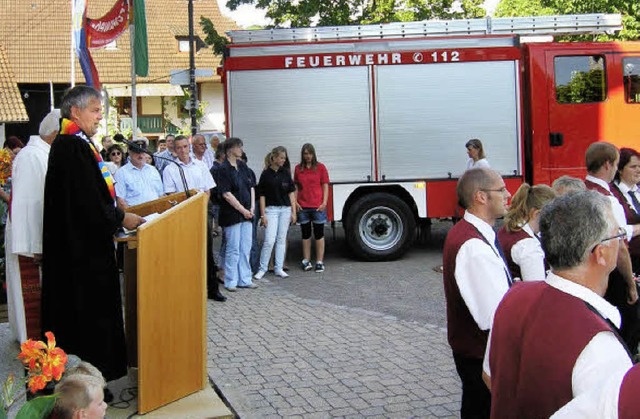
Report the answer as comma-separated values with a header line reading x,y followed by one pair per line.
x,y
44,363
6,162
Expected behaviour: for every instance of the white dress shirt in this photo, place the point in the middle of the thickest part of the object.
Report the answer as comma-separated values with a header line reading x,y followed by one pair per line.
x,y
484,163
618,210
208,157
603,357
480,274
625,192
529,256
195,172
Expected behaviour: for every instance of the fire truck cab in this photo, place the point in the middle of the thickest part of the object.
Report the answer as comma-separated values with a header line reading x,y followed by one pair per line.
x,y
390,107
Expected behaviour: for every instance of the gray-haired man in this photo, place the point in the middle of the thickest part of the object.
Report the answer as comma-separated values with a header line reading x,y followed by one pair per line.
x,y
555,342
81,301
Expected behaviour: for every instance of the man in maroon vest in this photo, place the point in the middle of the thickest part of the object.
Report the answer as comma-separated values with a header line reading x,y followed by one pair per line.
x,y
475,280
601,160
553,343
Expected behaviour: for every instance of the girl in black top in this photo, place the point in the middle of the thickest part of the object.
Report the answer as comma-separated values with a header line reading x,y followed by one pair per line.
x,y
235,186
277,210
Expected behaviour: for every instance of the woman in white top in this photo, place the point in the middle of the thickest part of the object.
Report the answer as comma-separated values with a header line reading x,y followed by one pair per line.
x,y
475,151
518,237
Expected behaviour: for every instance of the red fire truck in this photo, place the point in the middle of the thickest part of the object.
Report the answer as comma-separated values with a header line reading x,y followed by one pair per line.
x,y
390,107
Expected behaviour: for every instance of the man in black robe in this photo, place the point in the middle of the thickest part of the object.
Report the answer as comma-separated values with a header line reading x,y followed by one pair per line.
x,y
81,301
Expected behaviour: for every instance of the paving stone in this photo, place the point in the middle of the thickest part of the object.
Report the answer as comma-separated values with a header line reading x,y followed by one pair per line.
x,y
291,411
308,358
373,411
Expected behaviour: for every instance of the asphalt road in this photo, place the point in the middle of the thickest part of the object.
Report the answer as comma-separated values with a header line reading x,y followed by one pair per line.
x,y
408,288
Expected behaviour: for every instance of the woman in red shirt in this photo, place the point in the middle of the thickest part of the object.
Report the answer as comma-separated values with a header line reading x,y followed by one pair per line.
x,y
312,192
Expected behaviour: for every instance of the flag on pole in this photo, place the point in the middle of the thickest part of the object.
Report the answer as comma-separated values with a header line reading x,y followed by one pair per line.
x,y
141,50
108,28
82,49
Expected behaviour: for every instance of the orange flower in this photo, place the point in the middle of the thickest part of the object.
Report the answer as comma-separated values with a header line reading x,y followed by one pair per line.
x,y
31,353
37,382
45,362
6,159
53,365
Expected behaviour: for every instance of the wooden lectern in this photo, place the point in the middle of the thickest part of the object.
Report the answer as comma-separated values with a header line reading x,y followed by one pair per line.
x,y
165,300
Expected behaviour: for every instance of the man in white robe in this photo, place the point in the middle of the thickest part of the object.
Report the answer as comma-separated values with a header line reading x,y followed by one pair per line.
x,y
23,237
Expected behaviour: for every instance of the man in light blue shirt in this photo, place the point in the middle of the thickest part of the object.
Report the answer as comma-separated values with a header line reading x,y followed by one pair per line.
x,y
195,172
137,182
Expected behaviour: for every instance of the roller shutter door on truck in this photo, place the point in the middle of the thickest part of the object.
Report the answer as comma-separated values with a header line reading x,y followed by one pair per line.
x,y
426,114
328,107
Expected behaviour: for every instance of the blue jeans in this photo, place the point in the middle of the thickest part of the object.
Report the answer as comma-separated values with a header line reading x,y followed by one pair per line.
x,y
278,220
254,255
237,270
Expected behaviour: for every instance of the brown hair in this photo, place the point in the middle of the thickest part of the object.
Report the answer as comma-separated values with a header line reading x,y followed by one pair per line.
x,y
525,199
13,142
625,158
598,154
314,160
471,182
477,144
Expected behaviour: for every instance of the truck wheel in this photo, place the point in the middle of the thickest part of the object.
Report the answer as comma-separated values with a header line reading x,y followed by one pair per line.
x,y
380,226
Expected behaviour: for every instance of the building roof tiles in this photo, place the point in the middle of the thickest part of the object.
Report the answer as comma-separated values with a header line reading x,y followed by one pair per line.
x,y
11,106
37,37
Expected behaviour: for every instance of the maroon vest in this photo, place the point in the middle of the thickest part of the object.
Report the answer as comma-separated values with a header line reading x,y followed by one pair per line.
x,y
507,241
628,400
631,216
592,186
537,335
465,337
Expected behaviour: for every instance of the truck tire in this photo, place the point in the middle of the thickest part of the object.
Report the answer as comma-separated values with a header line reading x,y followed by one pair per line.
x,y
380,226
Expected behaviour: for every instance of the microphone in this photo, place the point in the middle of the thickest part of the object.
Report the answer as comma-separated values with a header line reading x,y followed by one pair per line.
x,y
136,148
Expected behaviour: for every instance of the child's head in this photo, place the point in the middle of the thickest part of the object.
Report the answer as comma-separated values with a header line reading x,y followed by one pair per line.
x,y
80,396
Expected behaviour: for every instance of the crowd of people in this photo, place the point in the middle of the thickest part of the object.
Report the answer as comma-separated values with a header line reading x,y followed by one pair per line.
x,y
69,197
542,315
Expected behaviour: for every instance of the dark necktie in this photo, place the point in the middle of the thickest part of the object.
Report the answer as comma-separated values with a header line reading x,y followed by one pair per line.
x,y
506,270
634,201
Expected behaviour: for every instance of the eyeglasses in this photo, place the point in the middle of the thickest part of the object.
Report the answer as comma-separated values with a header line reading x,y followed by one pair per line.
x,y
622,234
501,190
116,153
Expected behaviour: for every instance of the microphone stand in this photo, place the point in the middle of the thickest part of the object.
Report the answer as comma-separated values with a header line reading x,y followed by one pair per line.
x,y
134,147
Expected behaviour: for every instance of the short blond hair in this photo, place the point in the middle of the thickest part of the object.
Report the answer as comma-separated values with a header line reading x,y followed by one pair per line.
x,y
75,392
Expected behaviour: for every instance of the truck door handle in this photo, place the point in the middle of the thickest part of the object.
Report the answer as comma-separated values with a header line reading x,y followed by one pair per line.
x,y
556,139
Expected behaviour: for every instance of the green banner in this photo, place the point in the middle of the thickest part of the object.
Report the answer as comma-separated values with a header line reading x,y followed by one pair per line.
x,y
141,50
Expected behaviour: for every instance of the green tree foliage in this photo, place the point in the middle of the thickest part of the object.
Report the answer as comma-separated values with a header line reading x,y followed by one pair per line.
x,y
352,12
584,87
213,37
630,10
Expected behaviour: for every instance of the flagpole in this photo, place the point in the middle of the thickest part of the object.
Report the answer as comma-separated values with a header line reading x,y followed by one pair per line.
x,y
192,72
73,45
134,99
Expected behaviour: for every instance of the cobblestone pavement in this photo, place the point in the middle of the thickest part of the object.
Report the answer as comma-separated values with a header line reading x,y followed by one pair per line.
x,y
336,344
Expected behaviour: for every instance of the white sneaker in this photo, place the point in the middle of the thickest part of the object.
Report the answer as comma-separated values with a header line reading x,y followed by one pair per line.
x,y
282,274
259,275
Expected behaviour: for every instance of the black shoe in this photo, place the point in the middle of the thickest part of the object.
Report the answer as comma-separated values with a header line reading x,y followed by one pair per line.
x,y
217,297
108,395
